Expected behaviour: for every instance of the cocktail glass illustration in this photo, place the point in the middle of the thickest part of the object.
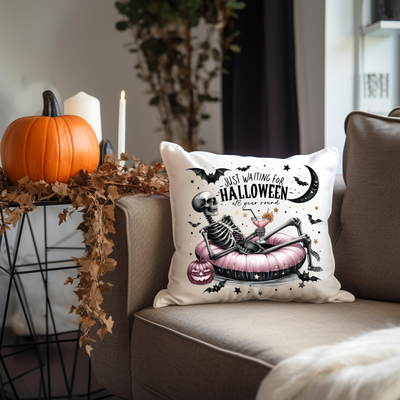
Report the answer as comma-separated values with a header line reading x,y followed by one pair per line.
x,y
261,223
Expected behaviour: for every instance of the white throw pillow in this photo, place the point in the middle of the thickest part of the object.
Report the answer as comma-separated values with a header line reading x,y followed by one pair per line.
x,y
221,206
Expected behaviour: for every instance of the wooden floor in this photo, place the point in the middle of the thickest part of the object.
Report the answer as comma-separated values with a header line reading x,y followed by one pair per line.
x,y
67,378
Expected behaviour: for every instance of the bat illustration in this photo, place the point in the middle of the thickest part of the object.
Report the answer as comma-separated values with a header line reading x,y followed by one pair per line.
x,y
305,277
243,168
212,177
215,288
313,221
194,224
301,183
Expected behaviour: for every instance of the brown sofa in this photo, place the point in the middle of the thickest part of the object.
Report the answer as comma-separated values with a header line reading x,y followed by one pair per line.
x,y
223,351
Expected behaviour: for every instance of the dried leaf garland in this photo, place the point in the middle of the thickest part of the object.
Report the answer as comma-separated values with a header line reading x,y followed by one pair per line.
x,y
94,195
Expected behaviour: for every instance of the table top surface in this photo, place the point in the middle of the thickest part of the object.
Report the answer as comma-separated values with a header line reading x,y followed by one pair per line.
x,y
54,201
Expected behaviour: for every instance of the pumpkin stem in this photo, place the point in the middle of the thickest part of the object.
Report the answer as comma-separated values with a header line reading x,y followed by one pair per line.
x,y
51,107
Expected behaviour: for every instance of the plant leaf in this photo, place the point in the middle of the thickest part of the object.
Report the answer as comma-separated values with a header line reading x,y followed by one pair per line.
x,y
121,25
235,48
235,5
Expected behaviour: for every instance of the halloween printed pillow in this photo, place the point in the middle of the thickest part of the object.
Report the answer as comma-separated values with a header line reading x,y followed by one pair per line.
x,y
250,228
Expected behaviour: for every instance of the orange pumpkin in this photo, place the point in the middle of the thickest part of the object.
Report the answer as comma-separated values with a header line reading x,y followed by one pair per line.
x,y
50,147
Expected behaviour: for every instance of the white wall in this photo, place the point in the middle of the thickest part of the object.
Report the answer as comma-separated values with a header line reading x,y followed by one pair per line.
x,y
71,46
325,71
339,71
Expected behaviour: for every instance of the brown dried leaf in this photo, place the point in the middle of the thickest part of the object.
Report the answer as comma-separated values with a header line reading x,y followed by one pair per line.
x,y
157,167
98,181
113,193
77,261
81,293
109,323
71,310
39,187
3,228
90,267
102,332
105,287
106,244
24,181
108,212
143,169
24,200
60,189
88,349
83,227
62,216
108,265
124,156
95,226
108,167
69,280
99,297
83,199
80,179
86,322
109,226
13,216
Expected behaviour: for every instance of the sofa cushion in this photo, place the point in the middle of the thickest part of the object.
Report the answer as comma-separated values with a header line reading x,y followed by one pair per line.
x,y
223,351
222,204
367,250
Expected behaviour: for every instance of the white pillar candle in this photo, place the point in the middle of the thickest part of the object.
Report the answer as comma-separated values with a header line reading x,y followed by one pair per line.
x,y
122,124
87,107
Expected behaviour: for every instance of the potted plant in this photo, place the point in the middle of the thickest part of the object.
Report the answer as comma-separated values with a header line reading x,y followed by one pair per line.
x,y
177,64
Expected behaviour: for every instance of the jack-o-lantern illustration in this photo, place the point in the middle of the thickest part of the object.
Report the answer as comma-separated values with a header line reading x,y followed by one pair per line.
x,y
200,272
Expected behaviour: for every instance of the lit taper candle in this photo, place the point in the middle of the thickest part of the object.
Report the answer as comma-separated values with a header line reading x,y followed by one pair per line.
x,y
122,124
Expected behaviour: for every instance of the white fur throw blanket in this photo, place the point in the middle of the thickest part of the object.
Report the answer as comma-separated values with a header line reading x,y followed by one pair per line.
x,y
362,368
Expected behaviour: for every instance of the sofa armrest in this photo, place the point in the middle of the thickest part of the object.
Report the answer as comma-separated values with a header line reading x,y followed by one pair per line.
x,y
143,251
334,220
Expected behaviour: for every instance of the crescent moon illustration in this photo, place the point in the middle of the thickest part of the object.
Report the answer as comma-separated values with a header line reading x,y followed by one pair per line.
x,y
312,190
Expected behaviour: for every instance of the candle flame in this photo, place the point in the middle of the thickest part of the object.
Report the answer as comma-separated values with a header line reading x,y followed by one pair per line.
x,y
123,94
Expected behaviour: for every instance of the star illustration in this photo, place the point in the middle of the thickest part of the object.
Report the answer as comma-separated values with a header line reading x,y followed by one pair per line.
x,y
236,212
260,293
245,215
276,209
286,167
315,241
256,276
316,207
237,290
301,285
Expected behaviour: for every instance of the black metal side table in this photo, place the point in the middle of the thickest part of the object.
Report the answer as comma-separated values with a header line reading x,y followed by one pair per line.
x,y
40,366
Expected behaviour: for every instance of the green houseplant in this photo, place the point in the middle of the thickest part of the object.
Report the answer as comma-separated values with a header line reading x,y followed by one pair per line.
x,y
181,46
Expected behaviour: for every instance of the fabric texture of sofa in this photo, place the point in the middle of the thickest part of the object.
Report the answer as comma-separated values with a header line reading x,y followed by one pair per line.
x,y
224,351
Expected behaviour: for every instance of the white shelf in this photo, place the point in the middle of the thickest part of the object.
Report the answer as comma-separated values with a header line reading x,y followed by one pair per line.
x,y
382,28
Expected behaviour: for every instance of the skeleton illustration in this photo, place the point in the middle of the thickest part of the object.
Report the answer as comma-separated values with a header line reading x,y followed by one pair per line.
x,y
226,235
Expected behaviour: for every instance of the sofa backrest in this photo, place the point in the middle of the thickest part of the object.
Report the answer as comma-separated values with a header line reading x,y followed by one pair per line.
x,y
367,247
